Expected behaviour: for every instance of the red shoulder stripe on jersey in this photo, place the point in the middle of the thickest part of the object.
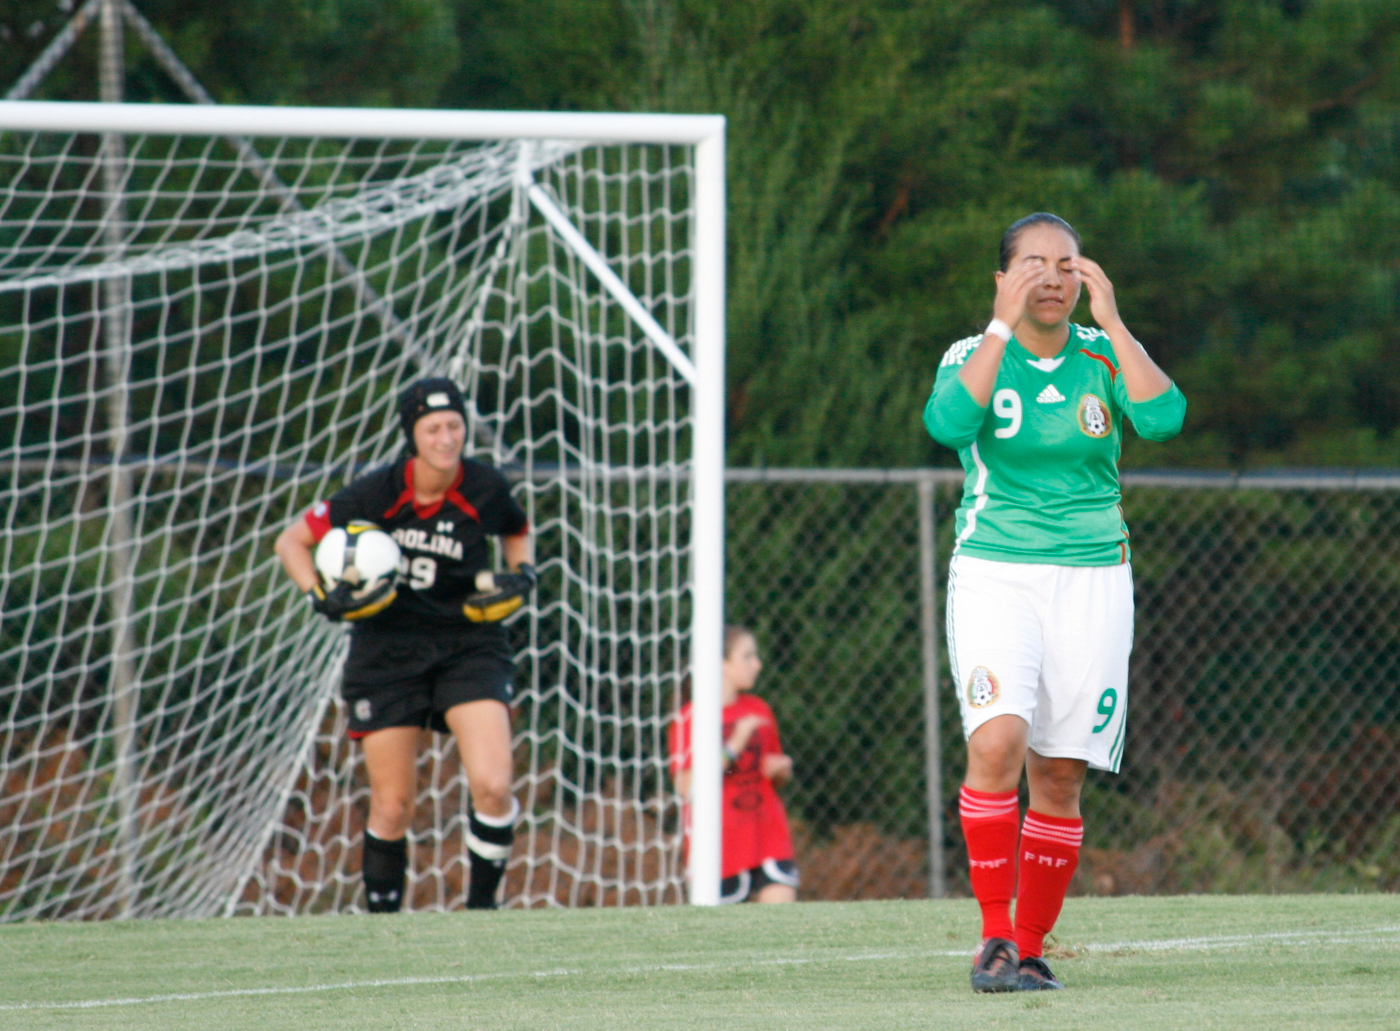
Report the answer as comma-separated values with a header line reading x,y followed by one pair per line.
x,y
1112,369
318,520
406,498
465,505
455,496
428,511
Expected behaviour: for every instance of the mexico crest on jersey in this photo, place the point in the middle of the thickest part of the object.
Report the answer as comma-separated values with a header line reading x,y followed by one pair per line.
x,y
1093,416
983,688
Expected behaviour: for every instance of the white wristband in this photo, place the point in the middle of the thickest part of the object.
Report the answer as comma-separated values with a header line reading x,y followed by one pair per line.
x,y
997,328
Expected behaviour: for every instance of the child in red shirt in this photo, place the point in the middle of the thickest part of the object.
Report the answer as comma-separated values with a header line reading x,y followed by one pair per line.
x,y
757,861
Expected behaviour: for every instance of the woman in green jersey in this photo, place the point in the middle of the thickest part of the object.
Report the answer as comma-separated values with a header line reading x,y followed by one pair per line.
x,y
1040,601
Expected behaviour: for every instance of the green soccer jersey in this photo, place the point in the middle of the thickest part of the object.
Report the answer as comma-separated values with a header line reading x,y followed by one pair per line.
x,y
1042,458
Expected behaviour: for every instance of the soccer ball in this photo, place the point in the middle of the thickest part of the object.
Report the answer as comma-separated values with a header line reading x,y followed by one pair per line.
x,y
366,559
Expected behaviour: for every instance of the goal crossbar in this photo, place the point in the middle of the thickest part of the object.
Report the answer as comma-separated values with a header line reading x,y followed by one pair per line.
x,y
354,122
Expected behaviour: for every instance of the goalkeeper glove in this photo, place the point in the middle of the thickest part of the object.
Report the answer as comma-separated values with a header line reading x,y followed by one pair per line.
x,y
340,603
499,594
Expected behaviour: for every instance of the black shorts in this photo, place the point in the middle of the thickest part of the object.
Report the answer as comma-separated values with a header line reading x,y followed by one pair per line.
x,y
411,680
746,884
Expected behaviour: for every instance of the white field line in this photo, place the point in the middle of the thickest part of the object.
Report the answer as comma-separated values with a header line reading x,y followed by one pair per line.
x,y
1233,941
1371,935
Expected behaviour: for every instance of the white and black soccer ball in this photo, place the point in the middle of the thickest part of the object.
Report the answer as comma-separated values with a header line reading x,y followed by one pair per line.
x,y
362,556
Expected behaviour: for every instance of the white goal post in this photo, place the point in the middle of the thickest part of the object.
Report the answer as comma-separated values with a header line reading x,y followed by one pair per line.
x,y
205,315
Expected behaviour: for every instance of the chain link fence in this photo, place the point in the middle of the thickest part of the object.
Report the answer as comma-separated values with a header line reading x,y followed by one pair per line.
x,y
1263,745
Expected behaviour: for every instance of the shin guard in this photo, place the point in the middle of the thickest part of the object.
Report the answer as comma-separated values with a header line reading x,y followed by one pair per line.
x,y
1049,855
385,867
990,824
489,840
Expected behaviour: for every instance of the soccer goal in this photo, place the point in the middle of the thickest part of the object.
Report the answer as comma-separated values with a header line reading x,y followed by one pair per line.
x,y
206,314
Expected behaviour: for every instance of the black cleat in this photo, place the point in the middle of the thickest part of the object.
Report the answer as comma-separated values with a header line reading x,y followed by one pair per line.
x,y
1035,976
994,966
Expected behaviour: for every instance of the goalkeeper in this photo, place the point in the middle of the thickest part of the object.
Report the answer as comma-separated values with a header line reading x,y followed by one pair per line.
x,y
1040,594
437,656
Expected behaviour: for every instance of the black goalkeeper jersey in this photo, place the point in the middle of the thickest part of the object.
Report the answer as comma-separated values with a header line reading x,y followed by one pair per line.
x,y
444,545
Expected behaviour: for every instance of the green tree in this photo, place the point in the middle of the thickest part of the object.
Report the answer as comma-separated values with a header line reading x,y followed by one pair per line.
x,y
333,52
1235,166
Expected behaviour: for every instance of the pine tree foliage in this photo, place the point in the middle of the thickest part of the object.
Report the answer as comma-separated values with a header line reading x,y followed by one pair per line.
x,y
1234,165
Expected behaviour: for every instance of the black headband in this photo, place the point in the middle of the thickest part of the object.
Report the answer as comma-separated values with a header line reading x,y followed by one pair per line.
x,y
436,394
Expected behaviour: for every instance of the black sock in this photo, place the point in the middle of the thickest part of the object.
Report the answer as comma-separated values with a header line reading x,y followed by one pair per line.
x,y
488,845
385,866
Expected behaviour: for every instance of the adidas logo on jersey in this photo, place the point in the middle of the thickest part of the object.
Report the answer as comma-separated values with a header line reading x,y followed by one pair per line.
x,y
1050,395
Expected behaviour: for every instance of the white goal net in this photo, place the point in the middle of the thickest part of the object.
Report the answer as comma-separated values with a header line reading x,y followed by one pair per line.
x,y
203,333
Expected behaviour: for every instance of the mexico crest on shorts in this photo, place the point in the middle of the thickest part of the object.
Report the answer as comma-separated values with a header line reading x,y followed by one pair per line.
x,y
983,687
363,709
1094,419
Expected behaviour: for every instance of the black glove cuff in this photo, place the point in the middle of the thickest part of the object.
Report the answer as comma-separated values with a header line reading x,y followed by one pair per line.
x,y
324,604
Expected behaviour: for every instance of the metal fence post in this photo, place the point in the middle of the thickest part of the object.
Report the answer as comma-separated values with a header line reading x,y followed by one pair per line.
x,y
928,621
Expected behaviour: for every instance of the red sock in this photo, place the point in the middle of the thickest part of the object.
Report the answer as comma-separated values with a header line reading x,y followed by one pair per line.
x,y
1049,853
989,824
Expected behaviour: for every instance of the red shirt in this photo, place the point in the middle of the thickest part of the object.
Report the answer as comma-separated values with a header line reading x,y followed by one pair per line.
x,y
755,824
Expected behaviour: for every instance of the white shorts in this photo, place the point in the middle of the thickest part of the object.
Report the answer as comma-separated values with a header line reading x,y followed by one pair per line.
x,y
1049,644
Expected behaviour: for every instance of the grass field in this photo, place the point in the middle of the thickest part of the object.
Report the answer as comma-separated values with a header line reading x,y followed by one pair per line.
x,y
1194,963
